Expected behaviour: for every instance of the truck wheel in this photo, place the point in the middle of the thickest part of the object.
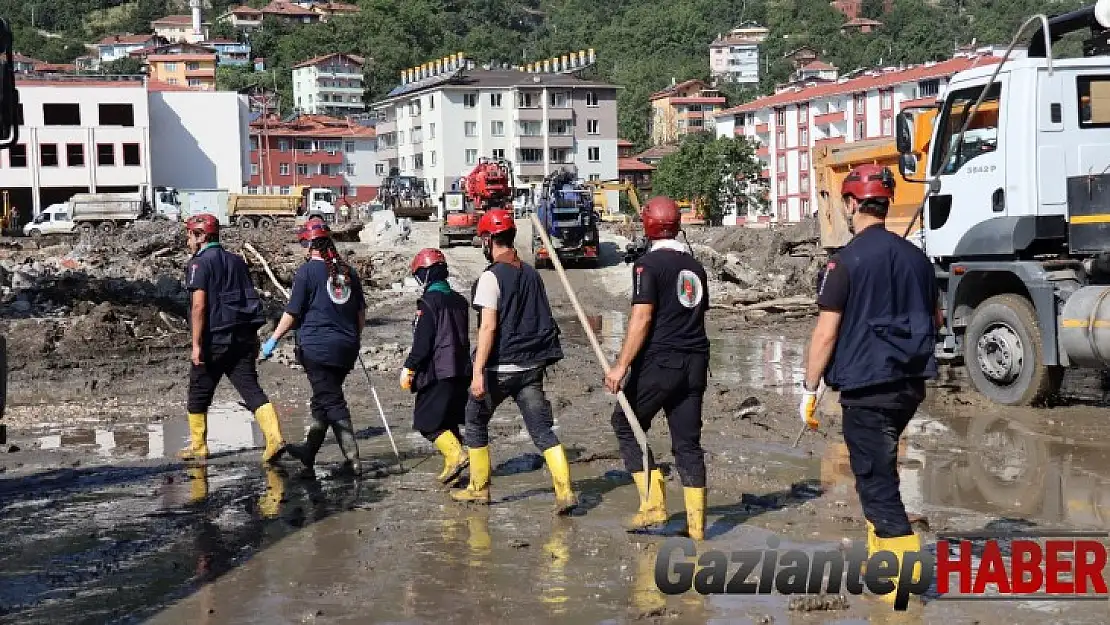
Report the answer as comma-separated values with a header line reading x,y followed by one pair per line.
x,y
265,223
85,227
444,241
108,227
1004,356
245,223
36,234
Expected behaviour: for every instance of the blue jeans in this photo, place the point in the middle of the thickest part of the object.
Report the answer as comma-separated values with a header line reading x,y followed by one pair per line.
x,y
871,435
526,389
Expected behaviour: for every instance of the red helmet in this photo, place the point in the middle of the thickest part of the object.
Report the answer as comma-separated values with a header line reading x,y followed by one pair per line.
x,y
868,182
495,221
426,258
203,222
313,229
661,218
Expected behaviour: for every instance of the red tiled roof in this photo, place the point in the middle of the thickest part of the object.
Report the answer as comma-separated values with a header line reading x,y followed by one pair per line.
x,y
22,58
68,81
316,126
158,85
334,7
55,67
816,66
677,88
658,151
184,48
112,40
864,83
631,164
320,59
176,20
733,40
174,58
281,7
624,143
241,10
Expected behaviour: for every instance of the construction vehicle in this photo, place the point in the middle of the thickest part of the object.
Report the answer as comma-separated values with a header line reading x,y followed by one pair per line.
x,y
566,209
11,118
245,210
489,185
406,196
601,199
85,212
1016,214
831,164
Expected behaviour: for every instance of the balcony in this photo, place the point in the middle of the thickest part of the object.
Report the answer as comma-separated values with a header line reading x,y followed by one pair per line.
x,y
765,174
560,141
532,169
828,118
343,90
317,157
385,127
565,114
528,114
386,153
829,141
763,151
528,141
762,129
201,72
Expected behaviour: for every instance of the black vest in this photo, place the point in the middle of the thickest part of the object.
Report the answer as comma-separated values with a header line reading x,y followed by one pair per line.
x,y
887,329
526,331
233,303
451,355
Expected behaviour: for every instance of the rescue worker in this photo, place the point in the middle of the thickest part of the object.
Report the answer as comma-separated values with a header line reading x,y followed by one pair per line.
x,y
225,317
874,343
517,340
328,306
438,365
666,357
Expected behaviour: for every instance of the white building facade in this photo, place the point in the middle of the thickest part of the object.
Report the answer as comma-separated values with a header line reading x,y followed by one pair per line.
x,y
790,124
329,85
539,122
200,140
735,57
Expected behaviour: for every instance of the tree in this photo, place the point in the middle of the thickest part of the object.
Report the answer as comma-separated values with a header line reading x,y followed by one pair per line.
x,y
125,65
713,173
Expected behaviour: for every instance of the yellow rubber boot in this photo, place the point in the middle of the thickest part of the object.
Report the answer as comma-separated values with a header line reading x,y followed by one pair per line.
x,y
695,512
198,435
565,499
654,510
269,504
454,457
899,546
198,484
478,489
271,429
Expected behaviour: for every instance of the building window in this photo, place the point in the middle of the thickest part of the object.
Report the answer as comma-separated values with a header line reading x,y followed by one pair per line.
x,y
803,113
559,127
379,169
418,161
283,190
348,146
803,183
130,154
531,155
400,137
595,176
803,160
782,185
471,129
498,153
887,126
254,169
252,190
283,145
781,209
431,103
48,154
283,169
805,207
860,104
591,98
497,128
527,100
431,131
592,127
558,99
192,66
61,114
75,155
861,129
495,100
302,169
254,144
560,155
195,82
804,137
432,158
780,139
350,169
170,67
105,154
471,157
780,117
116,114
470,100
887,100
17,155
781,161
594,154
928,88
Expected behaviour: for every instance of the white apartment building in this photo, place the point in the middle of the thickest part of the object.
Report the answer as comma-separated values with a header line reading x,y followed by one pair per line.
x,y
437,128
735,57
79,136
790,124
199,140
329,85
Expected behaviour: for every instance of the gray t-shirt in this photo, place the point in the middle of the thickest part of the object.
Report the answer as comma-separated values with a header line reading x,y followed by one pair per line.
x,y
486,295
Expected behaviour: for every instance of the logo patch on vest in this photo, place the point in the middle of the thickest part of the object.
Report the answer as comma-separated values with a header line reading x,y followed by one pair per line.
x,y
416,319
689,288
338,290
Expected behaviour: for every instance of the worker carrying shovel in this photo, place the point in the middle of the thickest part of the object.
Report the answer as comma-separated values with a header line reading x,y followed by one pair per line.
x,y
517,340
226,314
874,342
438,366
666,354
328,303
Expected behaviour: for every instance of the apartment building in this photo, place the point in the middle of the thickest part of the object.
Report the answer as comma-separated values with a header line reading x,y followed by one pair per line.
x,y
448,114
191,68
180,28
116,47
314,150
329,85
688,106
79,135
735,57
199,139
791,123
243,18
229,52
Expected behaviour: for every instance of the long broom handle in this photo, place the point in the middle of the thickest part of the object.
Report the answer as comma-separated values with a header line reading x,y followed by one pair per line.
x,y
641,438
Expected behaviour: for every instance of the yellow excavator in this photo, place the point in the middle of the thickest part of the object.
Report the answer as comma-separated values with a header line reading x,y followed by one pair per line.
x,y
601,201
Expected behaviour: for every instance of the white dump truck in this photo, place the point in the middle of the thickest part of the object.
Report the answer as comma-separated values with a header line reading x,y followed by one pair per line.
x,y
246,210
85,212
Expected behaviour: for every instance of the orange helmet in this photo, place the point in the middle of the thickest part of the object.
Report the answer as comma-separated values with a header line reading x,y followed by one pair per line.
x,y
868,182
495,221
426,258
661,218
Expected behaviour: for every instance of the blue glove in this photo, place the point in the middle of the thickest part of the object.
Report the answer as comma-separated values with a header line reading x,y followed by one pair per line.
x,y
268,348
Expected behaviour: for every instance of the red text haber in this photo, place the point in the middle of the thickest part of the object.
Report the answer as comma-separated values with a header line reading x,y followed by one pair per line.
x,y
1058,567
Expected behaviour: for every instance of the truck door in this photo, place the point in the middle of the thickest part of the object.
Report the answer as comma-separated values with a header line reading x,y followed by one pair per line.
x,y
973,174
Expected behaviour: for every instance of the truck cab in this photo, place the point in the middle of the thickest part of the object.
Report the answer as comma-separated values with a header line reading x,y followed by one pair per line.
x,y
321,202
54,219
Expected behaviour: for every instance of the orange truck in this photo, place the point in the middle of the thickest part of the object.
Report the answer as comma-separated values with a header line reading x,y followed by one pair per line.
x,y
831,164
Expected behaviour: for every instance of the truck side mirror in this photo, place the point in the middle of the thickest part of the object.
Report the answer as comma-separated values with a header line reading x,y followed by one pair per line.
x,y
903,139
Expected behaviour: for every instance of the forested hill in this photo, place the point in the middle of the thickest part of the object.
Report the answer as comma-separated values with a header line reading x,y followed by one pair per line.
x,y
641,44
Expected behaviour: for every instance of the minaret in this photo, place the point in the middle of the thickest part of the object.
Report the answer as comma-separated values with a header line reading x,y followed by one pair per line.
x,y
195,6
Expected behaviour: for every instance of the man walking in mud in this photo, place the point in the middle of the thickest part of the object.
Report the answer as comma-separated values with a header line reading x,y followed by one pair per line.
x,y
225,315
517,340
666,349
874,343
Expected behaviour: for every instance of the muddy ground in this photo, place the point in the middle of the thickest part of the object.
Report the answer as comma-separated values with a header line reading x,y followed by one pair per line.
x,y
100,524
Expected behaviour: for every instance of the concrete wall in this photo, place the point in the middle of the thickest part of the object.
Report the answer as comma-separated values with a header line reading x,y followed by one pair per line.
x,y
199,140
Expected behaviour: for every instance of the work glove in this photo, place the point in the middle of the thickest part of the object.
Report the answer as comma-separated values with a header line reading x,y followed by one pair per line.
x,y
807,409
406,379
268,348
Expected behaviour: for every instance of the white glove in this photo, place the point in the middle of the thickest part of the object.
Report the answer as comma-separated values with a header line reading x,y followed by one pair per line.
x,y
807,409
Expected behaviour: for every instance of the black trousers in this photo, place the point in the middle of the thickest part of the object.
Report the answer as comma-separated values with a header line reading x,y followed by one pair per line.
x,y
526,389
674,383
328,403
237,362
871,435
441,407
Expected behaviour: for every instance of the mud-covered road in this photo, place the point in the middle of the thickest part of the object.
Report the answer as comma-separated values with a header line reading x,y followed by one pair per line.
x,y
98,523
